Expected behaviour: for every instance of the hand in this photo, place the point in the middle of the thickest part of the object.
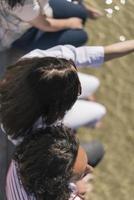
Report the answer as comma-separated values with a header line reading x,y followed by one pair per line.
x,y
84,185
74,23
93,13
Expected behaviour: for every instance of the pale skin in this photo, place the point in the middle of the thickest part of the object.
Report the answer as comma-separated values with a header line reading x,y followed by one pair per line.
x,y
93,13
118,50
85,186
52,25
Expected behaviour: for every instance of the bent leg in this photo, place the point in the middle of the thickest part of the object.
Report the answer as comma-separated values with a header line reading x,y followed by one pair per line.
x,y
89,84
75,37
95,152
66,9
84,113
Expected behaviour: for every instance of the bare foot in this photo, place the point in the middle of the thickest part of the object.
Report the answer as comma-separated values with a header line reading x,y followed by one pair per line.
x,y
93,13
99,124
91,98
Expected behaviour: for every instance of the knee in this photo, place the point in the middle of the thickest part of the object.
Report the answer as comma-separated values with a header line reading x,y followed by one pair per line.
x,y
84,37
81,12
81,37
65,9
100,111
76,37
89,84
96,82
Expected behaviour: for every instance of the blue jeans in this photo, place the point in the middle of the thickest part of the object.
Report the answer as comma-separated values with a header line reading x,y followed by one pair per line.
x,y
35,38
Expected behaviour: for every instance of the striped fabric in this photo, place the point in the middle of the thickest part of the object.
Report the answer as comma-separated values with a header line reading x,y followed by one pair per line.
x,y
16,191
14,187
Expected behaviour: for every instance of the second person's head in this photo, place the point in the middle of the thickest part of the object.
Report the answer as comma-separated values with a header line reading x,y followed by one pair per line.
x,y
38,87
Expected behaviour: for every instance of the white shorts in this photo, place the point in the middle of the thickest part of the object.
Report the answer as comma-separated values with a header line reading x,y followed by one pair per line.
x,y
84,112
89,84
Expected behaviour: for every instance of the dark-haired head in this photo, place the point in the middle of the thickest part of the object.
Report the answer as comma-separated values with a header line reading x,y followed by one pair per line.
x,y
38,87
45,161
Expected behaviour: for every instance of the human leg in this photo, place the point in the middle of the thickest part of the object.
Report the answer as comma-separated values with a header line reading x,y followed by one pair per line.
x,y
89,84
84,113
66,9
95,152
92,12
36,39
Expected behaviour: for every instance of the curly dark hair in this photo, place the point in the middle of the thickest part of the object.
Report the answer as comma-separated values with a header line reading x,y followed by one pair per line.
x,y
38,87
45,162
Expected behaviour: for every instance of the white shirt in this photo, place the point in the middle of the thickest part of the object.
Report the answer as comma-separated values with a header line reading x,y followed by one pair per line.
x,y
82,56
14,187
14,22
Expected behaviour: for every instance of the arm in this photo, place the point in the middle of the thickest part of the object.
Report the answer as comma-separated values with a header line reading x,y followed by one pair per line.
x,y
86,55
81,187
82,56
53,25
96,55
118,50
32,14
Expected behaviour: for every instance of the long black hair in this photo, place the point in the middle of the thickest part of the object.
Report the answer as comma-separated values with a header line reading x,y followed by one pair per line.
x,y
45,161
38,87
